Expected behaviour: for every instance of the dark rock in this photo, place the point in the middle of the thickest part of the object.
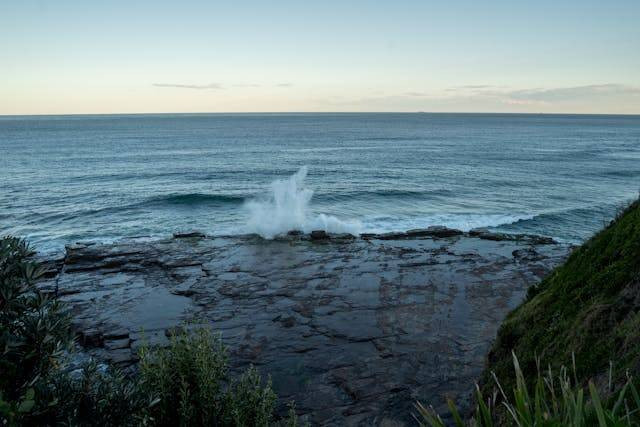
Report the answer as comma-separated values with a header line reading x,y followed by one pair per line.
x,y
295,233
368,236
122,357
440,231
350,331
189,235
184,292
476,232
115,334
343,236
117,344
78,246
391,236
418,232
527,254
288,322
485,234
434,231
51,266
539,240
91,338
319,235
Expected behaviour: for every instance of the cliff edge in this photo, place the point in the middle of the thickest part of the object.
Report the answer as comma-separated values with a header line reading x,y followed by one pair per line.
x,y
588,308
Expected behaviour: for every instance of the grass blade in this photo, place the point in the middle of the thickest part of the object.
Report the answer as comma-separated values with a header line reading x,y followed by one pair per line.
x,y
454,412
597,405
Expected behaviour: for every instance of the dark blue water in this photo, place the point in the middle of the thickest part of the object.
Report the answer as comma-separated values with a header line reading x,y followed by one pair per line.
x,y
69,178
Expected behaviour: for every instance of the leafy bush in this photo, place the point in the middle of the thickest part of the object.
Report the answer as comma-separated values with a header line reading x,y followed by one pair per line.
x,y
191,379
98,396
34,332
553,401
185,384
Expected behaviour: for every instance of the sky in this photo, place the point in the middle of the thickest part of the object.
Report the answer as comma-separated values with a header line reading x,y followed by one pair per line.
x,y
80,57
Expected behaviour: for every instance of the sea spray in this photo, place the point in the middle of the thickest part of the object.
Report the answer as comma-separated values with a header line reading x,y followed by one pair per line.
x,y
286,208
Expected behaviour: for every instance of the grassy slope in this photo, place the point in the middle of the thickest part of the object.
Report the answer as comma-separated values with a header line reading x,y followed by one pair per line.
x,y
589,306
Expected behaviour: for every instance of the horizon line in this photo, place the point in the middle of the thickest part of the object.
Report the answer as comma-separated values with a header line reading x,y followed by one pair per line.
x,y
317,112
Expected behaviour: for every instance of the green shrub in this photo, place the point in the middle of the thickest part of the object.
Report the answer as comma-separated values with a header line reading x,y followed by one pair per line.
x,y
34,332
550,401
191,380
587,307
185,384
99,396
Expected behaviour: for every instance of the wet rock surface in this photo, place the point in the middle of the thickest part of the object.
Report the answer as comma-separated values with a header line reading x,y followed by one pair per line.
x,y
353,329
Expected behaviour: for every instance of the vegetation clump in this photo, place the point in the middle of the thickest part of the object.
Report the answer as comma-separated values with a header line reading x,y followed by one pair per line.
x,y
588,309
550,400
193,387
34,332
187,383
586,313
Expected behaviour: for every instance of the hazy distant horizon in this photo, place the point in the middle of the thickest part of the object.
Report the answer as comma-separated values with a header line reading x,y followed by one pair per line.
x,y
283,113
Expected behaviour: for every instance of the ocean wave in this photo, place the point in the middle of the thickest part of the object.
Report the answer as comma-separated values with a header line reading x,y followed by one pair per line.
x,y
581,221
168,200
191,199
602,212
392,138
460,221
384,194
624,173
327,149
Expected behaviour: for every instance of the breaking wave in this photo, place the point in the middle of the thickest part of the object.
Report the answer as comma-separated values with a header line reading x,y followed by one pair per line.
x,y
286,207
460,221
193,199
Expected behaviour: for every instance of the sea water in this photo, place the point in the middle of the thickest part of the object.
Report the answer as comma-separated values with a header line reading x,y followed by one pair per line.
x,y
105,177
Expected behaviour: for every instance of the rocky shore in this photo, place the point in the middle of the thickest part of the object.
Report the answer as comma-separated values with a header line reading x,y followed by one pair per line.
x,y
354,329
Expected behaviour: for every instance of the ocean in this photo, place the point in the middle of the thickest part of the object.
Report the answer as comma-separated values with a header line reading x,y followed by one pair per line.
x,y
106,177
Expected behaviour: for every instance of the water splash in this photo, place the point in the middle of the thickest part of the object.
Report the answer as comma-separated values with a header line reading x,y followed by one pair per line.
x,y
286,208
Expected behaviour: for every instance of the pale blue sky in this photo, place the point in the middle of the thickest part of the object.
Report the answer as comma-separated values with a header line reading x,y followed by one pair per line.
x,y
197,56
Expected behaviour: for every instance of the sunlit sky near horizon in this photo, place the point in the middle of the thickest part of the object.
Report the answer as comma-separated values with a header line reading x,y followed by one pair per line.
x,y
64,57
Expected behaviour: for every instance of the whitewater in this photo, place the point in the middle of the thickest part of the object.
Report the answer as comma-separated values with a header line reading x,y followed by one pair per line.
x,y
287,207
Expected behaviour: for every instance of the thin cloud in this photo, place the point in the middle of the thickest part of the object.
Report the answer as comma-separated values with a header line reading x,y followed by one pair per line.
x,y
371,100
476,86
246,85
185,86
218,85
589,98
525,102
575,93
547,97
472,88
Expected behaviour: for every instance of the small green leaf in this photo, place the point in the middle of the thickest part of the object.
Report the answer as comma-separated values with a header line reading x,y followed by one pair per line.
x,y
454,412
26,406
597,405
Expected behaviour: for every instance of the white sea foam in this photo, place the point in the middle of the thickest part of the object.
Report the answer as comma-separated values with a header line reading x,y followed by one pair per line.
x,y
460,221
286,208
